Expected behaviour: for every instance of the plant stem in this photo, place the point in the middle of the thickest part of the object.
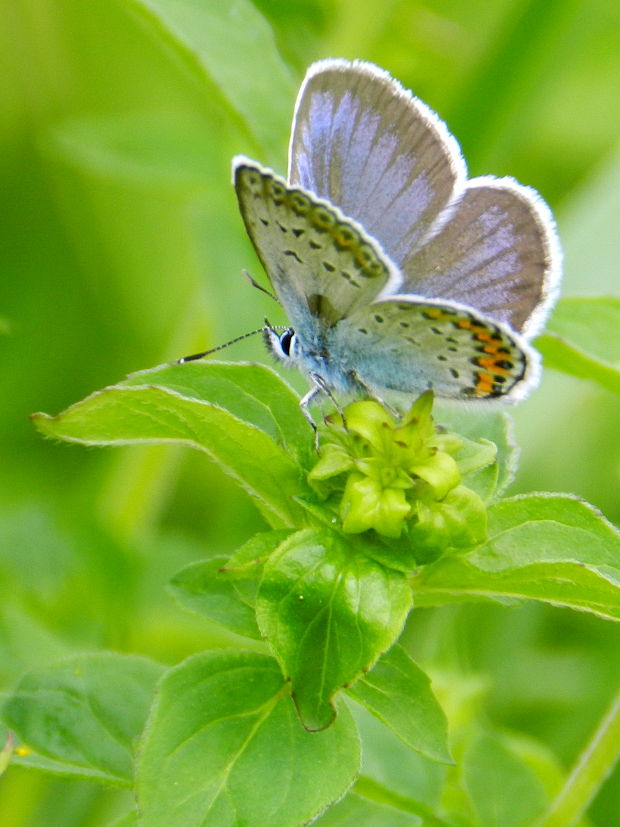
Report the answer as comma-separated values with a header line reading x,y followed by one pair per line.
x,y
374,791
590,771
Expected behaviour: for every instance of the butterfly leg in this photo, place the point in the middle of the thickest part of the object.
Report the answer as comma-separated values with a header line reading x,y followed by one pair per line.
x,y
394,411
304,403
319,386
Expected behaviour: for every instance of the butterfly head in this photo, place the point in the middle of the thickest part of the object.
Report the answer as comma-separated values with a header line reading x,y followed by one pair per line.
x,y
282,342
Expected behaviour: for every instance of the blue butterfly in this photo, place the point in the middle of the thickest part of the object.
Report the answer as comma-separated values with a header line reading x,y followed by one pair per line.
x,y
395,271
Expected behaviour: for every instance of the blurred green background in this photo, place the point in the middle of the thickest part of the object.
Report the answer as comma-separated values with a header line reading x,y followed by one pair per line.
x,y
121,247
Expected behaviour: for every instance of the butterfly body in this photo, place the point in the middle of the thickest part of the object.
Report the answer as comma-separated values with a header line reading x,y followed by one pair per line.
x,y
351,360
396,273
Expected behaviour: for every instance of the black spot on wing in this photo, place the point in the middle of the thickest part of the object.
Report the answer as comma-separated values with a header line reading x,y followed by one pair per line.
x,y
348,277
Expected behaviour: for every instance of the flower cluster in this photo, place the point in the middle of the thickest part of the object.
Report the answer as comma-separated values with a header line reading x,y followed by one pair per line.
x,y
399,476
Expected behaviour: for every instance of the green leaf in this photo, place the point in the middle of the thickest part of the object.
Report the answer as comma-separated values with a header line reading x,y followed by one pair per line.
x,y
398,693
475,456
568,358
245,567
503,790
591,323
482,428
536,528
255,551
231,45
82,716
401,772
207,590
583,340
253,393
223,589
328,611
561,584
128,820
552,548
224,747
168,404
356,811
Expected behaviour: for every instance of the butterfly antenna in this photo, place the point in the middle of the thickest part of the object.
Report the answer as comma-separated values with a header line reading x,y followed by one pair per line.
x,y
195,356
259,286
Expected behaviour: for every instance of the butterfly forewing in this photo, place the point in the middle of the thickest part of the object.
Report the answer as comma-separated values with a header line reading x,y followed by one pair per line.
x,y
497,253
408,345
322,266
365,144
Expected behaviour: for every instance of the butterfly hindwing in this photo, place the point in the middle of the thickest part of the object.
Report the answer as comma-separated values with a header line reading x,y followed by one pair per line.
x,y
322,266
497,253
407,344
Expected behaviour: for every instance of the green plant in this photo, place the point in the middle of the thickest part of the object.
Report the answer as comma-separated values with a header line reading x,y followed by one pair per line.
x,y
219,737
380,523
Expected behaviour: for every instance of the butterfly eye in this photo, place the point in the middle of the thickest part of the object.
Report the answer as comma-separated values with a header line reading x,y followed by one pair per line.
x,y
345,236
286,341
299,203
322,219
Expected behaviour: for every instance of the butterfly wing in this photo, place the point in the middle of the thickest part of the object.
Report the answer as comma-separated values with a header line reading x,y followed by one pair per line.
x,y
364,143
407,344
455,268
322,266
498,252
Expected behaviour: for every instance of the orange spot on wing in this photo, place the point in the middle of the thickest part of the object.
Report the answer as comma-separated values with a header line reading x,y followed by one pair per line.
x,y
484,384
490,363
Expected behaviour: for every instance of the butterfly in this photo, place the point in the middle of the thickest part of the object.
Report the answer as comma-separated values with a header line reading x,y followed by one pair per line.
x,y
396,272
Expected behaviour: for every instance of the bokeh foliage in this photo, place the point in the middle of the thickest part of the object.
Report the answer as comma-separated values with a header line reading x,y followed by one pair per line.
x,y
122,248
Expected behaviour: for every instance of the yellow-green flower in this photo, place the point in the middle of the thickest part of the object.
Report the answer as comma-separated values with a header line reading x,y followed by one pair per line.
x,y
398,475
